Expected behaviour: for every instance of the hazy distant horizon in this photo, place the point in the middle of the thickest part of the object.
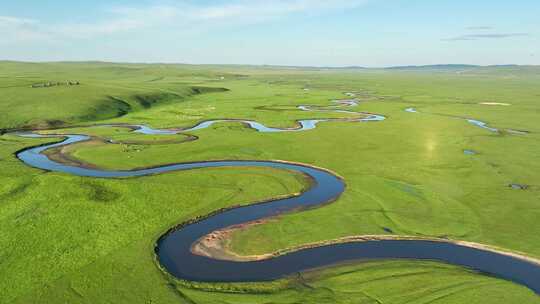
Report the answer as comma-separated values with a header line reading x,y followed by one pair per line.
x,y
456,65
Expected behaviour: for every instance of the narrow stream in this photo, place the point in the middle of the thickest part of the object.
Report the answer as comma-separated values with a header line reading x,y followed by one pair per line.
x,y
174,252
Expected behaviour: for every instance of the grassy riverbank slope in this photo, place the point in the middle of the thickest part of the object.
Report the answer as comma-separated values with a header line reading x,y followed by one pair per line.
x,y
81,240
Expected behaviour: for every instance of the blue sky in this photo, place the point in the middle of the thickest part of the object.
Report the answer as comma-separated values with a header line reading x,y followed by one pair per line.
x,y
295,32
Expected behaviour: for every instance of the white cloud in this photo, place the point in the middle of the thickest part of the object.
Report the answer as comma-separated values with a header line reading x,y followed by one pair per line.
x,y
267,9
6,21
183,15
14,29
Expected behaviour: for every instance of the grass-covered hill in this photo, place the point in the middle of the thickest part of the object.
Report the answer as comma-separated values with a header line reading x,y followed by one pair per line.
x,y
58,94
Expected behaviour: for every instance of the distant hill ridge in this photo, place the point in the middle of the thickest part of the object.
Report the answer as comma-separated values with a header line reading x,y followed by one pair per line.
x,y
448,66
270,66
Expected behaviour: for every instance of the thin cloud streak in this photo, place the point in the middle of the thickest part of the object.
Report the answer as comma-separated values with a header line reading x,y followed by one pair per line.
x,y
479,28
15,21
472,37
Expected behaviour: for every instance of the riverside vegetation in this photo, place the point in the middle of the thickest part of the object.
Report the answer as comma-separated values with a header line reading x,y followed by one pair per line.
x,y
74,239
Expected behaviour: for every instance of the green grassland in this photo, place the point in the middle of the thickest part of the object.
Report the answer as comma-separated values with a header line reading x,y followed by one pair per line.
x,y
68,239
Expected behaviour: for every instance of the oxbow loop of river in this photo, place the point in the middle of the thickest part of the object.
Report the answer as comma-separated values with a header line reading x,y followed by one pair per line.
x,y
174,249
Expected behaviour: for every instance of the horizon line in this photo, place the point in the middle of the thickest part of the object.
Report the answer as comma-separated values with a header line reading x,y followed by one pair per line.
x,y
456,65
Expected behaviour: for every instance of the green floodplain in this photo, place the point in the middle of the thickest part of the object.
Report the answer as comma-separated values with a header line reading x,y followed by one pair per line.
x,y
69,239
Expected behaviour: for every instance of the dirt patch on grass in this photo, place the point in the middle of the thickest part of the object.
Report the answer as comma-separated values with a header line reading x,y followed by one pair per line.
x,y
217,245
63,154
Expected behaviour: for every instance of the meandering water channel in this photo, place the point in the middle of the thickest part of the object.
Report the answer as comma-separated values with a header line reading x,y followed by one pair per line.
x,y
475,122
174,249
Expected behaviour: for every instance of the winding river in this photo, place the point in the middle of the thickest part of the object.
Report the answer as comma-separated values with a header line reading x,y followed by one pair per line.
x,y
174,249
303,125
475,122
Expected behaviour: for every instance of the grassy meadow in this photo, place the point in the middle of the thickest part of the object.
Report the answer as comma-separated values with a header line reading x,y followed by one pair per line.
x,y
68,239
